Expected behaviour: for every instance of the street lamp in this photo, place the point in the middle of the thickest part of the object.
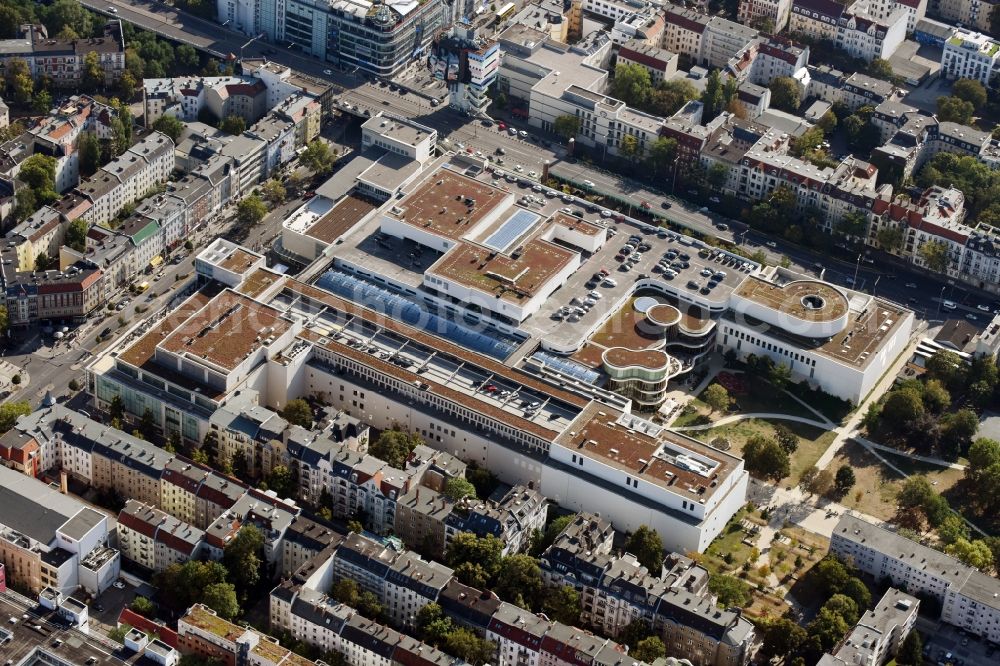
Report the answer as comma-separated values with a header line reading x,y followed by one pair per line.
x,y
875,286
857,267
940,298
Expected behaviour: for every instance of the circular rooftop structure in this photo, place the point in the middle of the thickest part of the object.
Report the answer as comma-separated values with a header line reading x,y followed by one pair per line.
x,y
809,308
644,303
663,315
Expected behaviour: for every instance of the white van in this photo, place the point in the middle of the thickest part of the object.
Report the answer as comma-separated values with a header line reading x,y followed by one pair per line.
x,y
949,305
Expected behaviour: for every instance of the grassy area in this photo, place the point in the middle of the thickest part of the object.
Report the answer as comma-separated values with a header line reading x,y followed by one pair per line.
x,y
877,484
761,397
812,441
728,552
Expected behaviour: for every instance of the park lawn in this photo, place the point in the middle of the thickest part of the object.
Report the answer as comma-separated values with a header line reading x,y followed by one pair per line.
x,y
761,397
729,541
694,413
877,485
812,441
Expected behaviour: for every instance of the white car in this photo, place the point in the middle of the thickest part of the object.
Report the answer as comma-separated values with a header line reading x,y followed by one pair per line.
x,y
118,585
606,213
328,72
113,10
588,183
983,308
533,174
596,295
524,135
949,305
518,168
771,244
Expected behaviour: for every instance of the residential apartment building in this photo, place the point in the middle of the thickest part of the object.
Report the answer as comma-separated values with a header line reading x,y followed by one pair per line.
x,y
153,539
975,14
879,633
761,13
775,59
403,582
971,55
660,63
49,296
706,40
220,96
865,29
968,598
128,178
51,540
62,60
616,591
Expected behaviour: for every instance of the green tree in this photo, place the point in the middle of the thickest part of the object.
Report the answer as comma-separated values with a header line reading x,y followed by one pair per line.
x,y
457,488
187,57
935,255
143,606
711,97
911,652
935,396
730,590
780,637
631,84
346,591
779,375
630,149
369,605
881,69
647,546
76,234
519,581
562,605
298,412
554,529
243,556
843,606
221,597
18,80
827,122
250,211
786,438
827,628
483,552
844,480
890,239
464,644
433,626
671,95
971,91
317,157
69,14
785,94
93,73
661,155
170,126
856,589
90,154
233,124
566,126
946,367
901,408
39,173
716,175
716,397
649,650
807,142
765,459
274,191
958,429
394,446
11,411
955,109
42,262
974,553
281,481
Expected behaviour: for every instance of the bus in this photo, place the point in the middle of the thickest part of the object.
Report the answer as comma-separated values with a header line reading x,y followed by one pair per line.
x,y
505,12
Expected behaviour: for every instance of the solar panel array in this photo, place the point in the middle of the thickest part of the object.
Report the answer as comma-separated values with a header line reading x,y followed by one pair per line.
x,y
511,230
396,306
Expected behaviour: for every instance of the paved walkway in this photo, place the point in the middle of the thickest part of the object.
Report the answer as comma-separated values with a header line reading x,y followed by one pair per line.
x,y
734,418
868,444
